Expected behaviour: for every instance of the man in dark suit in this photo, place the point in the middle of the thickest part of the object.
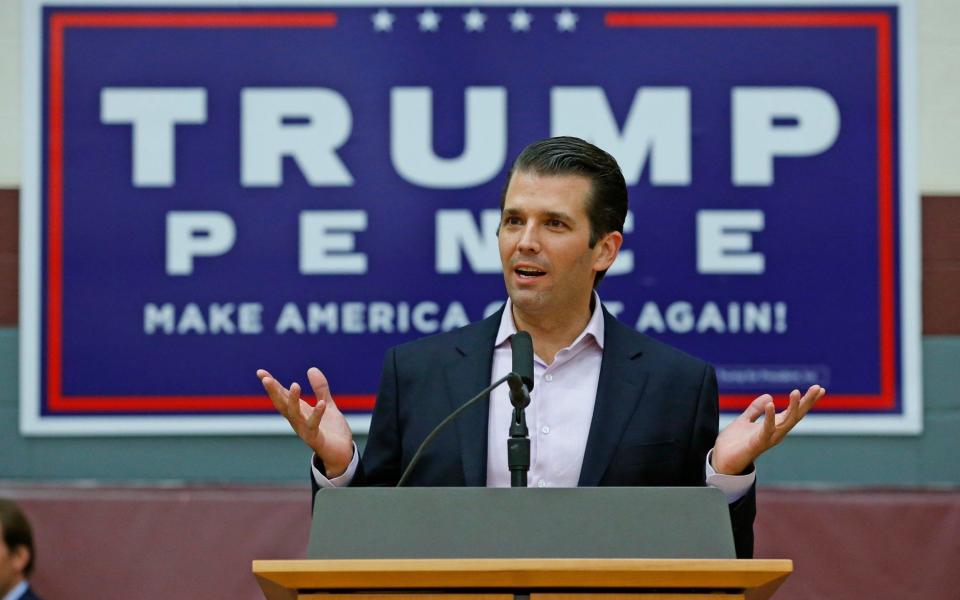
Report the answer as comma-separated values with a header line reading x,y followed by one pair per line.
x,y
16,553
632,411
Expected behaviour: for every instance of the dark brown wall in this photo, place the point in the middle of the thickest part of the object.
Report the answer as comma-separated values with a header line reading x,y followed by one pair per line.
x,y
941,265
9,256
198,542
941,262
862,544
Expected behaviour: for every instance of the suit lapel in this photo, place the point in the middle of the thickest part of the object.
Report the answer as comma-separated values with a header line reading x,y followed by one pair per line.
x,y
466,374
618,392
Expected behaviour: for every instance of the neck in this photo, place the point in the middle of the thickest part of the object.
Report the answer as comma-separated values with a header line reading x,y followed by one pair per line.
x,y
550,332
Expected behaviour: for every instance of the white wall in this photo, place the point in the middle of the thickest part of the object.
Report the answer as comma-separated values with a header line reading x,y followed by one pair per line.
x,y
10,93
938,54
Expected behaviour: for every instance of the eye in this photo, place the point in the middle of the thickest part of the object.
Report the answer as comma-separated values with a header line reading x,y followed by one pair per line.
x,y
512,220
555,223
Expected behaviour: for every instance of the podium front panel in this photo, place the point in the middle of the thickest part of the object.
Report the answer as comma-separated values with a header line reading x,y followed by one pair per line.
x,y
603,522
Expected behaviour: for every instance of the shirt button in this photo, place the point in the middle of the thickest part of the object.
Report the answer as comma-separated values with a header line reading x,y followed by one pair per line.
x,y
545,429
541,483
548,377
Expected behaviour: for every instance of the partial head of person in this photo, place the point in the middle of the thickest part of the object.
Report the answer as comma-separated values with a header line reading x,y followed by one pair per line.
x,y
562,215
16,546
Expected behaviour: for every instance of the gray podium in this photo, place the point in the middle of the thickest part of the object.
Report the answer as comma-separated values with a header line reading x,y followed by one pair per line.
x,y
543,544
456,522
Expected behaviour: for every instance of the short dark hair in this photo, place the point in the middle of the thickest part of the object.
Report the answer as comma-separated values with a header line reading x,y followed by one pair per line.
x,y
566,155
16,530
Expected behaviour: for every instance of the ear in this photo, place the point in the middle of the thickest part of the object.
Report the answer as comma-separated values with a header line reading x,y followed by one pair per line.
x,y
605,252
20,557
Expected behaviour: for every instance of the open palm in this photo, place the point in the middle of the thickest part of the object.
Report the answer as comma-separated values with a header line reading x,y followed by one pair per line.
x,y
322,427
745,439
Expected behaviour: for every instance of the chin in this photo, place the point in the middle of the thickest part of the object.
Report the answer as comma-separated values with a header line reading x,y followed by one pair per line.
x,y
529,301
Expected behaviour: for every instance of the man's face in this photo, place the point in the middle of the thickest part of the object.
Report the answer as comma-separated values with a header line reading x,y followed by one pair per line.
x,y
12,564
548,265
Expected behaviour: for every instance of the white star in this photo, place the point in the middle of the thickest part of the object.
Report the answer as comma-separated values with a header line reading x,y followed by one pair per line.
x,y
566,20
474,20
382,20
429,20
520,20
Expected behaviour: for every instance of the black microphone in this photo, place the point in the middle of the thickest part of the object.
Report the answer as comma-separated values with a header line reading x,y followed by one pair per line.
x,y
520,382
521,345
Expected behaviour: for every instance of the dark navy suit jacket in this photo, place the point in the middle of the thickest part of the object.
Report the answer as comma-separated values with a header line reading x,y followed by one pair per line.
x,y
654,420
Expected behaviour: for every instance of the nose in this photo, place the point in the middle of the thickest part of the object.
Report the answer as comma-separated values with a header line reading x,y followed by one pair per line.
x,y
529,242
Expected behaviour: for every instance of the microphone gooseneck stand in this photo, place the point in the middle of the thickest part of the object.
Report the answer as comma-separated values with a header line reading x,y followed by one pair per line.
x,y
436,430
518,448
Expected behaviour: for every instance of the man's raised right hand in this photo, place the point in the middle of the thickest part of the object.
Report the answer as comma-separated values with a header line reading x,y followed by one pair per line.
x,y
322,427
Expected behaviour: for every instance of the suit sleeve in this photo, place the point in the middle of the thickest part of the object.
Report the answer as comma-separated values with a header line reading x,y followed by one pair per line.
x,y
382,457
382,462
744,510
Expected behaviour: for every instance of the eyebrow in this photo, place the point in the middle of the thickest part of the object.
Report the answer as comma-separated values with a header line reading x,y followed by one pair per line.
x,y
550,214
556,214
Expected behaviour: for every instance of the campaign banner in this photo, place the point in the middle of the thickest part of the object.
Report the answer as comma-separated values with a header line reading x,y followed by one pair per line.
x,y
210,190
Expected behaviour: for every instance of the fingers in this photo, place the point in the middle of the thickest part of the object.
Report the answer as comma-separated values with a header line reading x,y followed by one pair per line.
x,y
776,426
810,398
319,409
293,403
769,421
303,417
288,401
313,421
757,408
800,406
285,401
790,415
276,392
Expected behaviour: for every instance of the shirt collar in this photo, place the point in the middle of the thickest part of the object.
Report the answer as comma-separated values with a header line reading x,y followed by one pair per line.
x,y
17,591
594,326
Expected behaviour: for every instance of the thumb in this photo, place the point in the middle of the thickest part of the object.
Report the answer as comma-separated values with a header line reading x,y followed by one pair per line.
x,y
321,387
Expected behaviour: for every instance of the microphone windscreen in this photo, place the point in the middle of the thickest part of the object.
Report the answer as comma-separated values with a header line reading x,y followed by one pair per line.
x,y
522,348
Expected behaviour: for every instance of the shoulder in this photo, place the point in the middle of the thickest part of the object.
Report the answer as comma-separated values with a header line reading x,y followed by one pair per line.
x,y
620,337
28,594
479,335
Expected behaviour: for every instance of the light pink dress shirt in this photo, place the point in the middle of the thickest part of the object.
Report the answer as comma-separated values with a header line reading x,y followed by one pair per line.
x,y
560,411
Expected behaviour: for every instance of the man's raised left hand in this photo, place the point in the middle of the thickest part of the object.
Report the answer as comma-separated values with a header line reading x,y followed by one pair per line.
x,y
744,439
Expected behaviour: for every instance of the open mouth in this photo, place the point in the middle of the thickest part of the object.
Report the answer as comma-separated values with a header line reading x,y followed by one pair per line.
x,y
529,272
